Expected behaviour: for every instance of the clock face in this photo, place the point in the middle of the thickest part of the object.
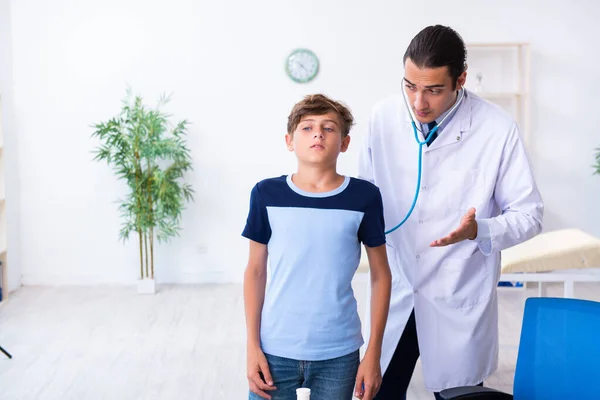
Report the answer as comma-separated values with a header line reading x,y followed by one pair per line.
x,y
302,65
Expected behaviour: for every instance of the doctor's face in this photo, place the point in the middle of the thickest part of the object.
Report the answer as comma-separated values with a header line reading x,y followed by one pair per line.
x,y
430,91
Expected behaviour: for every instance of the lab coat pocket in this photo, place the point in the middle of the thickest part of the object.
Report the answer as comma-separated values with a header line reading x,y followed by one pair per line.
x,y
462,281
464,189
394,264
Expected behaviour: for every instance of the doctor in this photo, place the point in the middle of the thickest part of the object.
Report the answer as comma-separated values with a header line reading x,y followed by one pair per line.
x,y
477,196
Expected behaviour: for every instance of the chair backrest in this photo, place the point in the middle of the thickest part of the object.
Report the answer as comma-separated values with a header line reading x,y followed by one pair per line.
x,y
559,351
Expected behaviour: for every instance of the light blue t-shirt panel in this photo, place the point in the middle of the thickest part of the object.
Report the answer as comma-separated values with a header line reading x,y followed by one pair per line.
x,y
297,319
313,239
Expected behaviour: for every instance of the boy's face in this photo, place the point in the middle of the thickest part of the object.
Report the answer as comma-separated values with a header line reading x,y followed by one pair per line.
x,y
318,139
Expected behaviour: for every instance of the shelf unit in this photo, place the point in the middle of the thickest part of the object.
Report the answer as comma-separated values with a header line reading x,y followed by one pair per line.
x,y
3,227
505,68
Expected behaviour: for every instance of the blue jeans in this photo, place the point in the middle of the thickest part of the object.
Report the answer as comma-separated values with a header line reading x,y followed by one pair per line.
x,y
328,380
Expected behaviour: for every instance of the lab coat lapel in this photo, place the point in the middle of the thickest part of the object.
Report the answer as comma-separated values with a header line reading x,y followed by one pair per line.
x,y
459,125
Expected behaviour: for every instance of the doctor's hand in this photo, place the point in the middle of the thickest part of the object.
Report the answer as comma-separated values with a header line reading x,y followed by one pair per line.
x,y
466,230
368,378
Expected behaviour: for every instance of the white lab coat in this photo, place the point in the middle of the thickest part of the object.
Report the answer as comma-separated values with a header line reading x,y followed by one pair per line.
x,y
477,161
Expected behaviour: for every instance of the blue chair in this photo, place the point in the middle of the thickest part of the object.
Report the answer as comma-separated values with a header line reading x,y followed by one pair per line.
x,y
559,354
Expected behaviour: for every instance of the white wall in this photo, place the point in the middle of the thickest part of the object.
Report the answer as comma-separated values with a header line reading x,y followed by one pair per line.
x,y
223,61
10,139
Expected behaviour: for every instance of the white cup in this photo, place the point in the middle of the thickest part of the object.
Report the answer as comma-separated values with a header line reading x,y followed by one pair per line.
x,y
303,394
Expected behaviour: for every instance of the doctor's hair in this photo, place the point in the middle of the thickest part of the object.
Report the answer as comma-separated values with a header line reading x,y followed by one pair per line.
x,y
319,104
438,46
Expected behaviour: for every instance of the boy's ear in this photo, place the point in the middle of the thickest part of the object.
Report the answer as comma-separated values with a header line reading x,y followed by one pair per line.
x,y
345,143
289,141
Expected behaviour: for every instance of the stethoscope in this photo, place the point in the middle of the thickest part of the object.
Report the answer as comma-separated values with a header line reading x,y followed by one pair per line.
x,y
421,143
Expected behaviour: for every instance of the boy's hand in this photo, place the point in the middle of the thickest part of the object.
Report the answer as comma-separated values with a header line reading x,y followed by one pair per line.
x,y
369,376
257,369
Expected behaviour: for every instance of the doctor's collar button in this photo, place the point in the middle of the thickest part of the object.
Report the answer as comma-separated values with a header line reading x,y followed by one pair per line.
x,y
458,138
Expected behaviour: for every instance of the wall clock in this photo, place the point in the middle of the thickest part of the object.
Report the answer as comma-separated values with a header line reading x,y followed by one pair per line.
x,y
302,65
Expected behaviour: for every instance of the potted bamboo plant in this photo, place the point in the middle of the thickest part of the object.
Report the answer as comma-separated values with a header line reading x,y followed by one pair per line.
x,y
151,156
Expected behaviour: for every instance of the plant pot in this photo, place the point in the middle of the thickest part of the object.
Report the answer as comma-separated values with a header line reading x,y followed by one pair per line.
x,y
146,286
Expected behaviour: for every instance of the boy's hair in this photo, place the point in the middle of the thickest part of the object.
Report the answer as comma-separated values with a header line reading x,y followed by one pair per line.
x,y
318,104
438,46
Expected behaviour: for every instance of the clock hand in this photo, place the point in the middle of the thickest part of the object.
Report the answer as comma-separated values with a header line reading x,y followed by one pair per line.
x,y
302,66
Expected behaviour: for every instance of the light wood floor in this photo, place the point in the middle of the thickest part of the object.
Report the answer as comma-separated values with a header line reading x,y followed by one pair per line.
x,y
185,342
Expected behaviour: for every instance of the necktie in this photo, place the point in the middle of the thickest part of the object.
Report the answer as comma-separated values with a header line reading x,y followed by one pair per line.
x,y
432,125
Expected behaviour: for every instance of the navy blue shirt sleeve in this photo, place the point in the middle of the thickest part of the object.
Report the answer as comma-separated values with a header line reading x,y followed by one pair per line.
x,y
257,224
372,228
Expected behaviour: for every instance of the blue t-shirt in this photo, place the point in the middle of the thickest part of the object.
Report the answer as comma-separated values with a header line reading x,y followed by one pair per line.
x,y
309,312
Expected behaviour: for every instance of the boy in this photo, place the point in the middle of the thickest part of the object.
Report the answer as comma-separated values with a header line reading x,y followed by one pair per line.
x,y
305,330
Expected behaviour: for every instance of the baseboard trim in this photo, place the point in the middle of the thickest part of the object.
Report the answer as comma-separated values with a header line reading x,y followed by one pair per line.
x,y
173,277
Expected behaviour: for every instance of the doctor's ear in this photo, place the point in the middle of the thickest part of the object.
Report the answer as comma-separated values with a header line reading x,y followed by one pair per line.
x,y
460,81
